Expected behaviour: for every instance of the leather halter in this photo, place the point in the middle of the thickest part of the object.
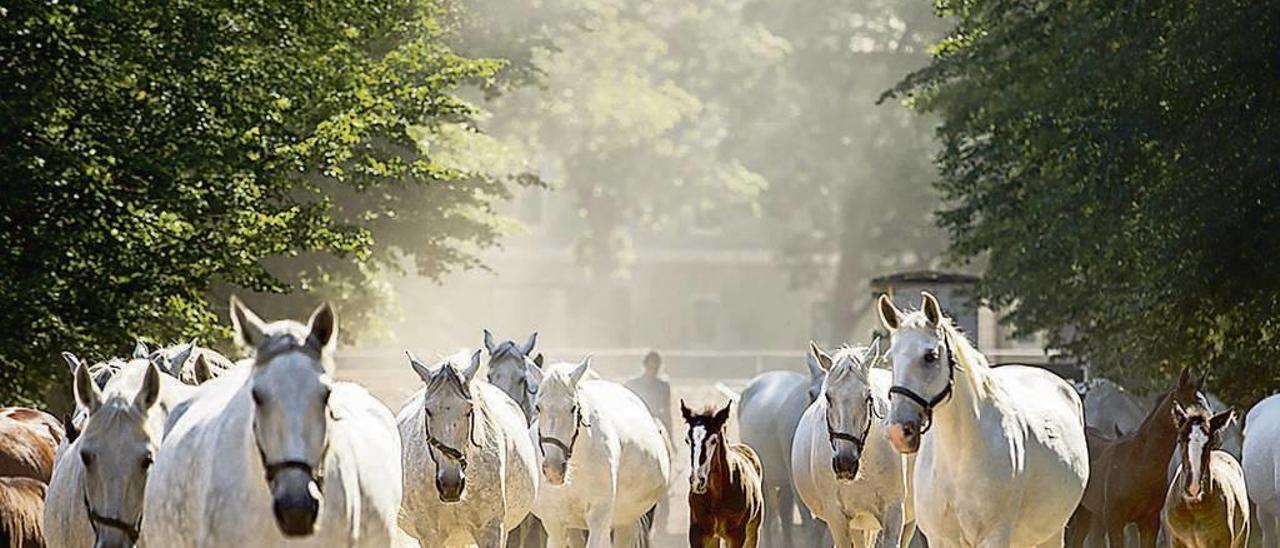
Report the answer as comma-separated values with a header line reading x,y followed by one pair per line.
x,y
130,530
834,435
451,453
927,405
555,442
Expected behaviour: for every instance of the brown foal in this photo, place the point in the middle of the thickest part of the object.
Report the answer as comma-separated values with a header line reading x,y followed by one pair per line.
x,y
1128,475
725,497
1206,506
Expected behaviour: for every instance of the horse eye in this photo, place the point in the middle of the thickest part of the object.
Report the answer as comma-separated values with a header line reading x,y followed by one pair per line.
x,y
147,461
257,398
86,458
931,356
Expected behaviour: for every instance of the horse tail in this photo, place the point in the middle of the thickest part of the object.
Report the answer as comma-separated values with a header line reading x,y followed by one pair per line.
x,y
728,392
22,511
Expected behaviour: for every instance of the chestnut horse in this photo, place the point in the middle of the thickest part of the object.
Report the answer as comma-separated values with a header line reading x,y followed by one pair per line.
x,y
28,441
726,500
1129,476
1206,506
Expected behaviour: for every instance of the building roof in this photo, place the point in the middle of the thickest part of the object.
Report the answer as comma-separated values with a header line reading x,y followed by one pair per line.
x,y
923,276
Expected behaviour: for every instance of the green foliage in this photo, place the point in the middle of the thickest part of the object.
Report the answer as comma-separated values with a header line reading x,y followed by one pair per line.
x,y
158,151
849,177
632,111
1117,167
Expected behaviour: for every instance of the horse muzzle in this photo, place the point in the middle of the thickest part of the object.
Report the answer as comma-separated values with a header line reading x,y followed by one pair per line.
x,y
108,537
450,485
904,436
295,503
845,465
697,485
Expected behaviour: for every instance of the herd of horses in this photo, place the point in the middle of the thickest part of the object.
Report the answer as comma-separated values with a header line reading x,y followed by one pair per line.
x,y
181,447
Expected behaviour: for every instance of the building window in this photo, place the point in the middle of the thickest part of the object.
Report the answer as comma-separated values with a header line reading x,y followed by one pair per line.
x,y
706,320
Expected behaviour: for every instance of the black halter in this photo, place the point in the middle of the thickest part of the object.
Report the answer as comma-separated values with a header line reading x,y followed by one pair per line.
x,y
833,435
98,520
452,453
927,405
578,423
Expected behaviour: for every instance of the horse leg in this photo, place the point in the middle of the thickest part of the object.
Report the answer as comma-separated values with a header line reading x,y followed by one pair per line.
x,y
1078,527
700,538
840,535
1269,523
557,534
786,513
767,526
1147,531
599,525
1115,535
624,536
493,535
891,528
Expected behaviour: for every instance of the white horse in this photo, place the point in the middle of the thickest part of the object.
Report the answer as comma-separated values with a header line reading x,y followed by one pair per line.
x,y
843,468
277,454
470,474
96,493
1004,463
606,460
1262,465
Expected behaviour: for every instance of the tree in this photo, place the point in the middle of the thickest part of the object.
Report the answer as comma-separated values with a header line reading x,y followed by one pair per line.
x,y
156,152
1116,166
850,177
631,111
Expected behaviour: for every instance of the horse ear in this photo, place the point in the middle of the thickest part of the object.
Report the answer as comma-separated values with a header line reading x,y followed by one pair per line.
x,y
932,310
821,358
1203,377
580,371
890,316
323,327
248,327
685,411
489,345
537,360
150,390
73,362
535,371
723,414
140,350
1184,378
529,343
1221,420
87,393
201,370
470,372
1179,414
871,355
175,364
420,368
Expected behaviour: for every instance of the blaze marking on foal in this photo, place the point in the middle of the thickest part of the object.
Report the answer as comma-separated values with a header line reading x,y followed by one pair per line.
x,y
725,496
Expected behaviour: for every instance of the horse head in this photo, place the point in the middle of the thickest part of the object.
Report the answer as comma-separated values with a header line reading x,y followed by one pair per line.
x,y
1199,434
510,370
116,447
449,418
922,354
706,442
850,404
290,394
560,415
